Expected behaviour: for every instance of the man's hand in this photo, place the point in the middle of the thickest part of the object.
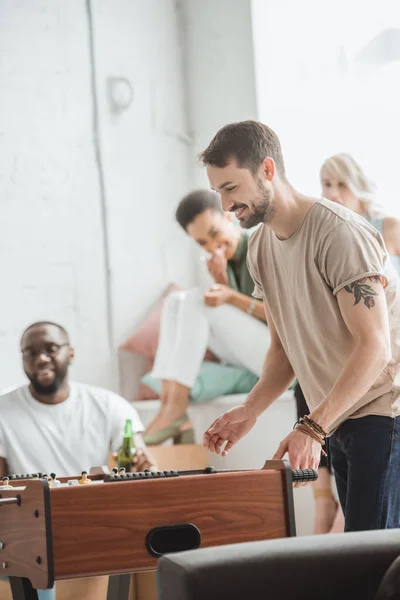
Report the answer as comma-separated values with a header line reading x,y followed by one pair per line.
x,y
229,428
217,295
217,266
304,452
143,460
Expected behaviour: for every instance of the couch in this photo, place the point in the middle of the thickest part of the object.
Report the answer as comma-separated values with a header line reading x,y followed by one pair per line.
x,y
348,566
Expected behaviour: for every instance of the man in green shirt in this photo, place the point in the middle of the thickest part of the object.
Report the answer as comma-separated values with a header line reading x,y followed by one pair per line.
x,y
221,316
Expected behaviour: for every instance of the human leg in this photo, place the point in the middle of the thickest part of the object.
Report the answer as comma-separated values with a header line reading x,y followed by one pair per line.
x,y
338,521
183,341
49,594
327,510
237,338
184,333
325,504
371,447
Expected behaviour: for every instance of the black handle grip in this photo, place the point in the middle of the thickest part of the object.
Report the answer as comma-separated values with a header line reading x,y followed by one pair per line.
x,y
302,475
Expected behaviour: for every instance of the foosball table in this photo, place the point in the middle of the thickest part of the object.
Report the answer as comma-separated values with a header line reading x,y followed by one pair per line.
x,y
121,524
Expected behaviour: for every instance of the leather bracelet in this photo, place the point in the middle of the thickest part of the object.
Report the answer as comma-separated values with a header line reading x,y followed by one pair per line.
x,y
305,429
311,423
311,433
314,425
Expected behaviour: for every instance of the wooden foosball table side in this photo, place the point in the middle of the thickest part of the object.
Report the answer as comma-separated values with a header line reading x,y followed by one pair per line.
x,y
125,525
142,584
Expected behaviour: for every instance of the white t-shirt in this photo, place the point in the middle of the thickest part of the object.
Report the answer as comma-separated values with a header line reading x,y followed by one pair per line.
x,y
65,438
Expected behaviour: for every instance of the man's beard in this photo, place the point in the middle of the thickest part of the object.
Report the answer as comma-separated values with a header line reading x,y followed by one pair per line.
x,y
51,388
262,211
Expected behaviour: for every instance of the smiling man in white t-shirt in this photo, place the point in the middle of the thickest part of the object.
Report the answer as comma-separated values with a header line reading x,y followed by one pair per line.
x,y
54,425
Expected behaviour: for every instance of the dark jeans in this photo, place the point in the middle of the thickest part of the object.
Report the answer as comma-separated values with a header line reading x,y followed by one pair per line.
x,y
365,456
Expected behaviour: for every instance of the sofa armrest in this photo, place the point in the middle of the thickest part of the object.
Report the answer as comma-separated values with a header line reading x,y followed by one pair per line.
x,y
333,567
389,588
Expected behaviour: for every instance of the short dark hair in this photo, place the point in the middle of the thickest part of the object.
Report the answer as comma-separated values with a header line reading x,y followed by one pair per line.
x,y
195,204
84,473
53,475
43,324
249,142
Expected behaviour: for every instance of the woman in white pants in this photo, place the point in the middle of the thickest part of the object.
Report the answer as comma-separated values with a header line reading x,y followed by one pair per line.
x,y
223,317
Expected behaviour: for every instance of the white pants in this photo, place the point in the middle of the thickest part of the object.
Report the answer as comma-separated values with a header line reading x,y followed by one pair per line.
x,y
189,327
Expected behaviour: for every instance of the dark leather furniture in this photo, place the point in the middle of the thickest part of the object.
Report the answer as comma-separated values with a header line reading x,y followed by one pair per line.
x,y
349,566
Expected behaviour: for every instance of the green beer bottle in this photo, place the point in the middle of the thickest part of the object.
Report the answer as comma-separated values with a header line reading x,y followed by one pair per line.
x,y
127,450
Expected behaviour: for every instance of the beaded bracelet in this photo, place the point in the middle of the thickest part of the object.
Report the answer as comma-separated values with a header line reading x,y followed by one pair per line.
x,y
307,427
314,425
310,423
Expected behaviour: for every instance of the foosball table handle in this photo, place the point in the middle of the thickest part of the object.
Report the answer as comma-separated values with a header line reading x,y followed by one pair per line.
x,y
304,475
10,500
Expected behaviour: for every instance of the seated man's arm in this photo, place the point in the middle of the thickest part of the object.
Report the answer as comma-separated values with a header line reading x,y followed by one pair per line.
x,y
364,310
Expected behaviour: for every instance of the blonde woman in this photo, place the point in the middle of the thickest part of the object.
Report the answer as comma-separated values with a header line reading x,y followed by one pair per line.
x,y
343,181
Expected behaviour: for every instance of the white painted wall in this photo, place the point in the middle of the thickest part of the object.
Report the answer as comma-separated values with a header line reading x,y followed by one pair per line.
x,y
146,151
219,69
189,66
51,235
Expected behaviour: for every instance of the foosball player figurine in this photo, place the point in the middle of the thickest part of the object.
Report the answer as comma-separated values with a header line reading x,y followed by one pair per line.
x,y
85,479
35,476
53,481
115,470
122,471
6,484
45,476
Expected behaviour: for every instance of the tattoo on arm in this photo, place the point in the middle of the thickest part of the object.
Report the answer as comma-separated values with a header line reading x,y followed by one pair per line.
x,y
361,290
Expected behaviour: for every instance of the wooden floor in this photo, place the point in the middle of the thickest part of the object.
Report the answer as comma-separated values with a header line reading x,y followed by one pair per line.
x,y
143,587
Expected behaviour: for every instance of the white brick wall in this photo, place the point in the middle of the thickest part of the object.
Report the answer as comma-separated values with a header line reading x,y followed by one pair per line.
x,y
51,236
189,66
50,241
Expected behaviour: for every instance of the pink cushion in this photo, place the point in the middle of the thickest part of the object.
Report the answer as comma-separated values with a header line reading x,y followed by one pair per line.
x,y
144,340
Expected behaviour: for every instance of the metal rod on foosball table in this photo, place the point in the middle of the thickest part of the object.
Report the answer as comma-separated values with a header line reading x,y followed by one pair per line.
x,y
21,589
118,587
16,500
